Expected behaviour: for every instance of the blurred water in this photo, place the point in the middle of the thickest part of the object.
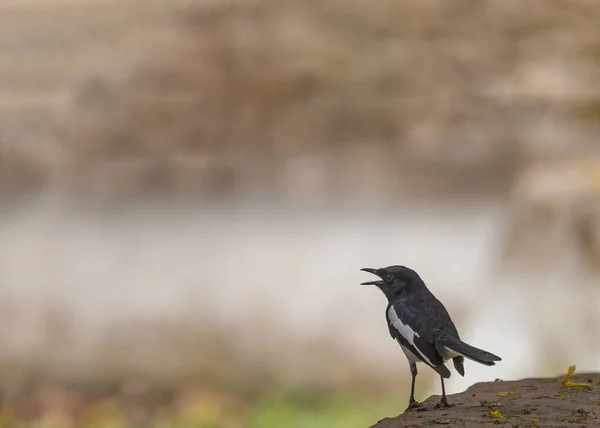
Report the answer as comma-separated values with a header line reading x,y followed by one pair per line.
x,y
294,271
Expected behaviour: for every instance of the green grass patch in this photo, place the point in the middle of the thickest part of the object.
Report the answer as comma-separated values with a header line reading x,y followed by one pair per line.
x,y
281,408
302,410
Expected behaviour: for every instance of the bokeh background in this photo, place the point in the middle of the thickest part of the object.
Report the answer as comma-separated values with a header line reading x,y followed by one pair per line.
x,y
188,190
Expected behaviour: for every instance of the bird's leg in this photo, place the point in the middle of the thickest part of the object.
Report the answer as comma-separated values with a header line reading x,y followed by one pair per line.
x,y
444,401
412,403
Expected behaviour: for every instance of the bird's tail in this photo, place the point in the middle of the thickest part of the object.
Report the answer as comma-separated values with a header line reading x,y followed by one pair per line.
x,y
446,343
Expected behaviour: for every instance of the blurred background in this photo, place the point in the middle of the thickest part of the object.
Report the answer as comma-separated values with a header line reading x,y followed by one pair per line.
x,y
188,190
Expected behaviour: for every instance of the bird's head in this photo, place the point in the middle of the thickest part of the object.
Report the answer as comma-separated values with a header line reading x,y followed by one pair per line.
x,y
394,279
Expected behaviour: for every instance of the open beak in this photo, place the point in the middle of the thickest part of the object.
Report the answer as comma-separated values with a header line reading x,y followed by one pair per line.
x,y
374,272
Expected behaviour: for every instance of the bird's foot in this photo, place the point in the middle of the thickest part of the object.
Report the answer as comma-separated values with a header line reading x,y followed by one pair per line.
x,y
413,405
443,404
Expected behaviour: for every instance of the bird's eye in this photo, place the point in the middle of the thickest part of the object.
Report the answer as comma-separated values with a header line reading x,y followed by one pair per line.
x,y
389,277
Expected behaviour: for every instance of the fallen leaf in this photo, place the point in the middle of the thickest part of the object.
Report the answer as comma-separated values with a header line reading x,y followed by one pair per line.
x,y
566,383
569,373
577,385
496,414
508,394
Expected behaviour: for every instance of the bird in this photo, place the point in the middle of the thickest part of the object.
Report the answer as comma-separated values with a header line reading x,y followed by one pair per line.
x,y
420,323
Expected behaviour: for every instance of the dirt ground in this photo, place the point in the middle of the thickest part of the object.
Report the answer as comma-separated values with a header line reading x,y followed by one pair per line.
x,y
522,403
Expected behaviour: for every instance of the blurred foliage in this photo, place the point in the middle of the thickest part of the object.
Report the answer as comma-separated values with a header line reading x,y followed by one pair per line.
x,y
224,98
309,411
290,409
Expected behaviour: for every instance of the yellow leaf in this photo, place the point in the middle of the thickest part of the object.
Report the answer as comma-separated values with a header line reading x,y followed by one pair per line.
x,y
577,385
569,384
570,373
508,394
496,414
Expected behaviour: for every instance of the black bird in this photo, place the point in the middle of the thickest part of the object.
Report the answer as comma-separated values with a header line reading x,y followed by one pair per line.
x,y
421,325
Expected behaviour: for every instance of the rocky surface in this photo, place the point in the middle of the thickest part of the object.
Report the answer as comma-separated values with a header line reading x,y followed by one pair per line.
x,y
528,402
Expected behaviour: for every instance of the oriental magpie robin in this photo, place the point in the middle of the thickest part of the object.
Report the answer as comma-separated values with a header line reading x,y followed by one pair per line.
x,y
421,325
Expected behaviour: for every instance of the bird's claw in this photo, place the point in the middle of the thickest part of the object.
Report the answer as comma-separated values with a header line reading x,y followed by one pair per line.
x,y
413,405
443,404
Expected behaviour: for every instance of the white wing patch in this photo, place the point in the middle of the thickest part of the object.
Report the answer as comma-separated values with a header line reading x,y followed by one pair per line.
x,y
405,330
411,357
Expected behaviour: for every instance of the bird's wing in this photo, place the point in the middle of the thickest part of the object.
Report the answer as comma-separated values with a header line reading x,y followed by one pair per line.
x,y
405,327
